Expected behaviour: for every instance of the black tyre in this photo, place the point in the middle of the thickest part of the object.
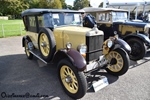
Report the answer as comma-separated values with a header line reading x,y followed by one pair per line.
x,y
28,54
119,62
47,44
138,49
73,82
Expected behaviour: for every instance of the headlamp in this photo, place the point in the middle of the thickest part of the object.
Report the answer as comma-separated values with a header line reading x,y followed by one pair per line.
x,y
68,45
109,43
82,49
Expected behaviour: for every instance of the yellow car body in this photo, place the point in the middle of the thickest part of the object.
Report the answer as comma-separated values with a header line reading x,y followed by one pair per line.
x,y
57,36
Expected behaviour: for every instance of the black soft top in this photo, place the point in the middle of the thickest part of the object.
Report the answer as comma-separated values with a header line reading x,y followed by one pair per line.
x,y
38,11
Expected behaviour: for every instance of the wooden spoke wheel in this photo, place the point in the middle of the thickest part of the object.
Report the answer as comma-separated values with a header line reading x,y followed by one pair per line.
x,y
119,62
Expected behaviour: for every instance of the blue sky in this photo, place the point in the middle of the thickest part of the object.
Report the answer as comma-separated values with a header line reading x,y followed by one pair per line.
x,y
93,2
69,2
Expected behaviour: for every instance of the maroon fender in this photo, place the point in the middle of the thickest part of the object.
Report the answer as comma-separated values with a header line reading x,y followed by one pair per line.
x,y
73,55
120,43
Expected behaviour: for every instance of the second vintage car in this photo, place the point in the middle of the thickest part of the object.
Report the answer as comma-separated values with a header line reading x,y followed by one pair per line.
x,y
111,20
57,36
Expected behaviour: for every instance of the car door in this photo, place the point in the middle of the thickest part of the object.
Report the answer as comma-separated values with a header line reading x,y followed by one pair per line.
x,y
32,31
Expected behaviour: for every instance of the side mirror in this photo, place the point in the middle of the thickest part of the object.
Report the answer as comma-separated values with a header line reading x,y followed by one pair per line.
x,y
116,35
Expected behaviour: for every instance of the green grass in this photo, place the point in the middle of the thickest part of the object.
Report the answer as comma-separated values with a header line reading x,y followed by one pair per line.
x,y
11,28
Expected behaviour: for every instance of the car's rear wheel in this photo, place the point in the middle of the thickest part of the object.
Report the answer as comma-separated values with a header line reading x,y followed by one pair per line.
x,y
28,54
138,49
119,62
47,44
72,80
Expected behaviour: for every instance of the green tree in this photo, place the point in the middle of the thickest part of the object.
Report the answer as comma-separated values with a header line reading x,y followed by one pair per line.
x,y
69,7
3,5
12,7
63,3
33,3
50,4
101,4
79,4
43,4
55,4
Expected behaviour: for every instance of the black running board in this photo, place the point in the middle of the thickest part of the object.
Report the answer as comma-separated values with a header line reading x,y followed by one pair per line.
x,y
36,54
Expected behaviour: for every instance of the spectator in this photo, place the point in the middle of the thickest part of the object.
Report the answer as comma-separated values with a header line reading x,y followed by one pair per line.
x,y
88,20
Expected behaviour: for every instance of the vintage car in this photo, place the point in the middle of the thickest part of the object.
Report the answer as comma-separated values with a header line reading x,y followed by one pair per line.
x,y
135,33
57,36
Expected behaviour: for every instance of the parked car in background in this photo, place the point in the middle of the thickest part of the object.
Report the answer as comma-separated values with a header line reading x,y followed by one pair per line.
x,y
57,36
111,20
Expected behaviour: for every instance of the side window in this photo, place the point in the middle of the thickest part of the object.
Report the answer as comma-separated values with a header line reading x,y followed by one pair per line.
x,y
104,17
40,21
32,21
25,20
107,17
45,20
32,24
48,21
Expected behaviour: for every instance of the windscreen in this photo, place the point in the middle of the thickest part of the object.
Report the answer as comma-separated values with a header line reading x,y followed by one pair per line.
x,y
66,19
119,16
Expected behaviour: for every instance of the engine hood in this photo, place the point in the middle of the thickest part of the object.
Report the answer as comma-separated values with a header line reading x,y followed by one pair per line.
x,y
73,29
76,35
132,23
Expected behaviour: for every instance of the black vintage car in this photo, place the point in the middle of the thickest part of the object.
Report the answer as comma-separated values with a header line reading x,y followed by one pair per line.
x,y
57,36
135,33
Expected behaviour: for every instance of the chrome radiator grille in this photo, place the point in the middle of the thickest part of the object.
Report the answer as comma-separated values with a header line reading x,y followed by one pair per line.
x,y
94,47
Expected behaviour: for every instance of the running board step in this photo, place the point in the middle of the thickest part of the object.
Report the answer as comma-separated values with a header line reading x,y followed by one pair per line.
x,y
37,54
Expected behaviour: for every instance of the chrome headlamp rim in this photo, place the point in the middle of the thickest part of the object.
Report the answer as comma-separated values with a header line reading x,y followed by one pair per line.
x,y
109,43
68,45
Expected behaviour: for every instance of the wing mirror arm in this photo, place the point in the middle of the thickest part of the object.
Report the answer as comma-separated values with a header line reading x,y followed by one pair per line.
x,y
116,34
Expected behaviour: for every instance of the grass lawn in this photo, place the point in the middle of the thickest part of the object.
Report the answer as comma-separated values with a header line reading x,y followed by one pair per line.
x,y
11,28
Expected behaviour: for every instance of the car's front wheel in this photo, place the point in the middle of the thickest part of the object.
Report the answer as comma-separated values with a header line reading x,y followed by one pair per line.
x,y
138,49
73,81
118,62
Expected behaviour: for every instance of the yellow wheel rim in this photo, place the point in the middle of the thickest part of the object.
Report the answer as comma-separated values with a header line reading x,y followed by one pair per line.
x,y
44,44
69,79
119,61
27,49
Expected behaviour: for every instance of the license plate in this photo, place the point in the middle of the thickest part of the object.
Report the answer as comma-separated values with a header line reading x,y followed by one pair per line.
x,y
100,84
